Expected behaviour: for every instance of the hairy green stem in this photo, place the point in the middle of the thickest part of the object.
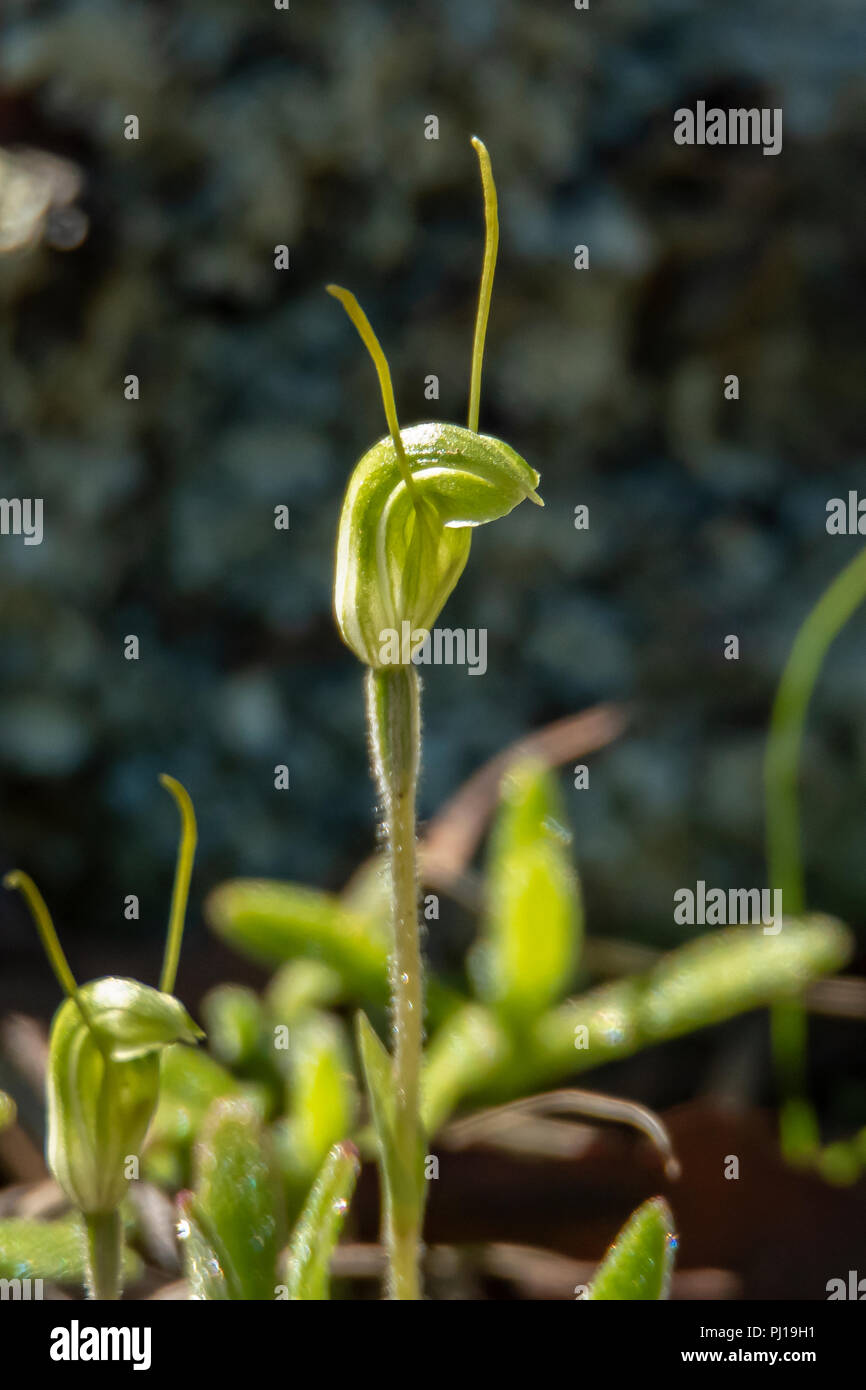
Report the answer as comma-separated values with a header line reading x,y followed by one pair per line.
x,y
104,1238
394,723
785,866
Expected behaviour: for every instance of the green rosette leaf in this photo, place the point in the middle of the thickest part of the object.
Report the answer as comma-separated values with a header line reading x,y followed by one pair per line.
x,y
638,1265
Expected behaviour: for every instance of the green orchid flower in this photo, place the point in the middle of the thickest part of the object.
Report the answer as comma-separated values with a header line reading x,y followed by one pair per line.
x,y
104,1066
414,498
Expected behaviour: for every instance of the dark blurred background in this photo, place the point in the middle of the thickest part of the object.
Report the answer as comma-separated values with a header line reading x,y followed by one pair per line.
x,y
261,127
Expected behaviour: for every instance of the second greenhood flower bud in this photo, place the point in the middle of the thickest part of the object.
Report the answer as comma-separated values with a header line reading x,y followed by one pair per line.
x,y
103,1084
105,1046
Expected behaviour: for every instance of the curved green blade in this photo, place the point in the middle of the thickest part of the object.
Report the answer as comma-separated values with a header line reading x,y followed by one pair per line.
x,y
277,922
237,1203
533,926
639,1263
315,1237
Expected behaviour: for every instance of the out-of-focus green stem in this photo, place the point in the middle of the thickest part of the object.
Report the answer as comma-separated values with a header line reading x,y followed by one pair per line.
x,y
799,1129
104,1235
393,713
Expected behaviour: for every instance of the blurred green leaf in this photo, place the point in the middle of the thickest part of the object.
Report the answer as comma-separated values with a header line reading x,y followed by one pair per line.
x,y
468,1048
166,1165
51,1250
839,1163
737,969
285,924
235,1023
322,1103
639,1263
237,1204
277,922
799,1133
714,978
315,1237
533,925
8,1111
189,1083
368,892
300,985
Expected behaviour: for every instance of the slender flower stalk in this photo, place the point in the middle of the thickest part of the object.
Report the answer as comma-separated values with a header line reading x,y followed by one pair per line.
x,y
404,537
393,717
104,1237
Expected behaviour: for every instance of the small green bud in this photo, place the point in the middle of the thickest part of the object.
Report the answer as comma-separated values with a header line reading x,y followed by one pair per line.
x,y
413,499
103,1084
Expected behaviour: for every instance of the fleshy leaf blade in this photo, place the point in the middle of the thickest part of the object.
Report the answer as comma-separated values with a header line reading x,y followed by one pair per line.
x,y
201,1266
534,921
322,1096
318,1229
237,1202
639,1263
714,978
276,922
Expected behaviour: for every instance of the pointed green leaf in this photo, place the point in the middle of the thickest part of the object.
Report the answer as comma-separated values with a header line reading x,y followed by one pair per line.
x,y
189,1083
368,891
284,923
839,1163
237,1203
533,922
235,1023
298,986
201,1266
467,1049
322,1104
639,1263
379,1077
318,1230
8,1111
378,1071
737,969
718,976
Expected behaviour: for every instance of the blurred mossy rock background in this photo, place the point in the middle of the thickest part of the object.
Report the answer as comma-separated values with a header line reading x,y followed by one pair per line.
x,y
154,256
